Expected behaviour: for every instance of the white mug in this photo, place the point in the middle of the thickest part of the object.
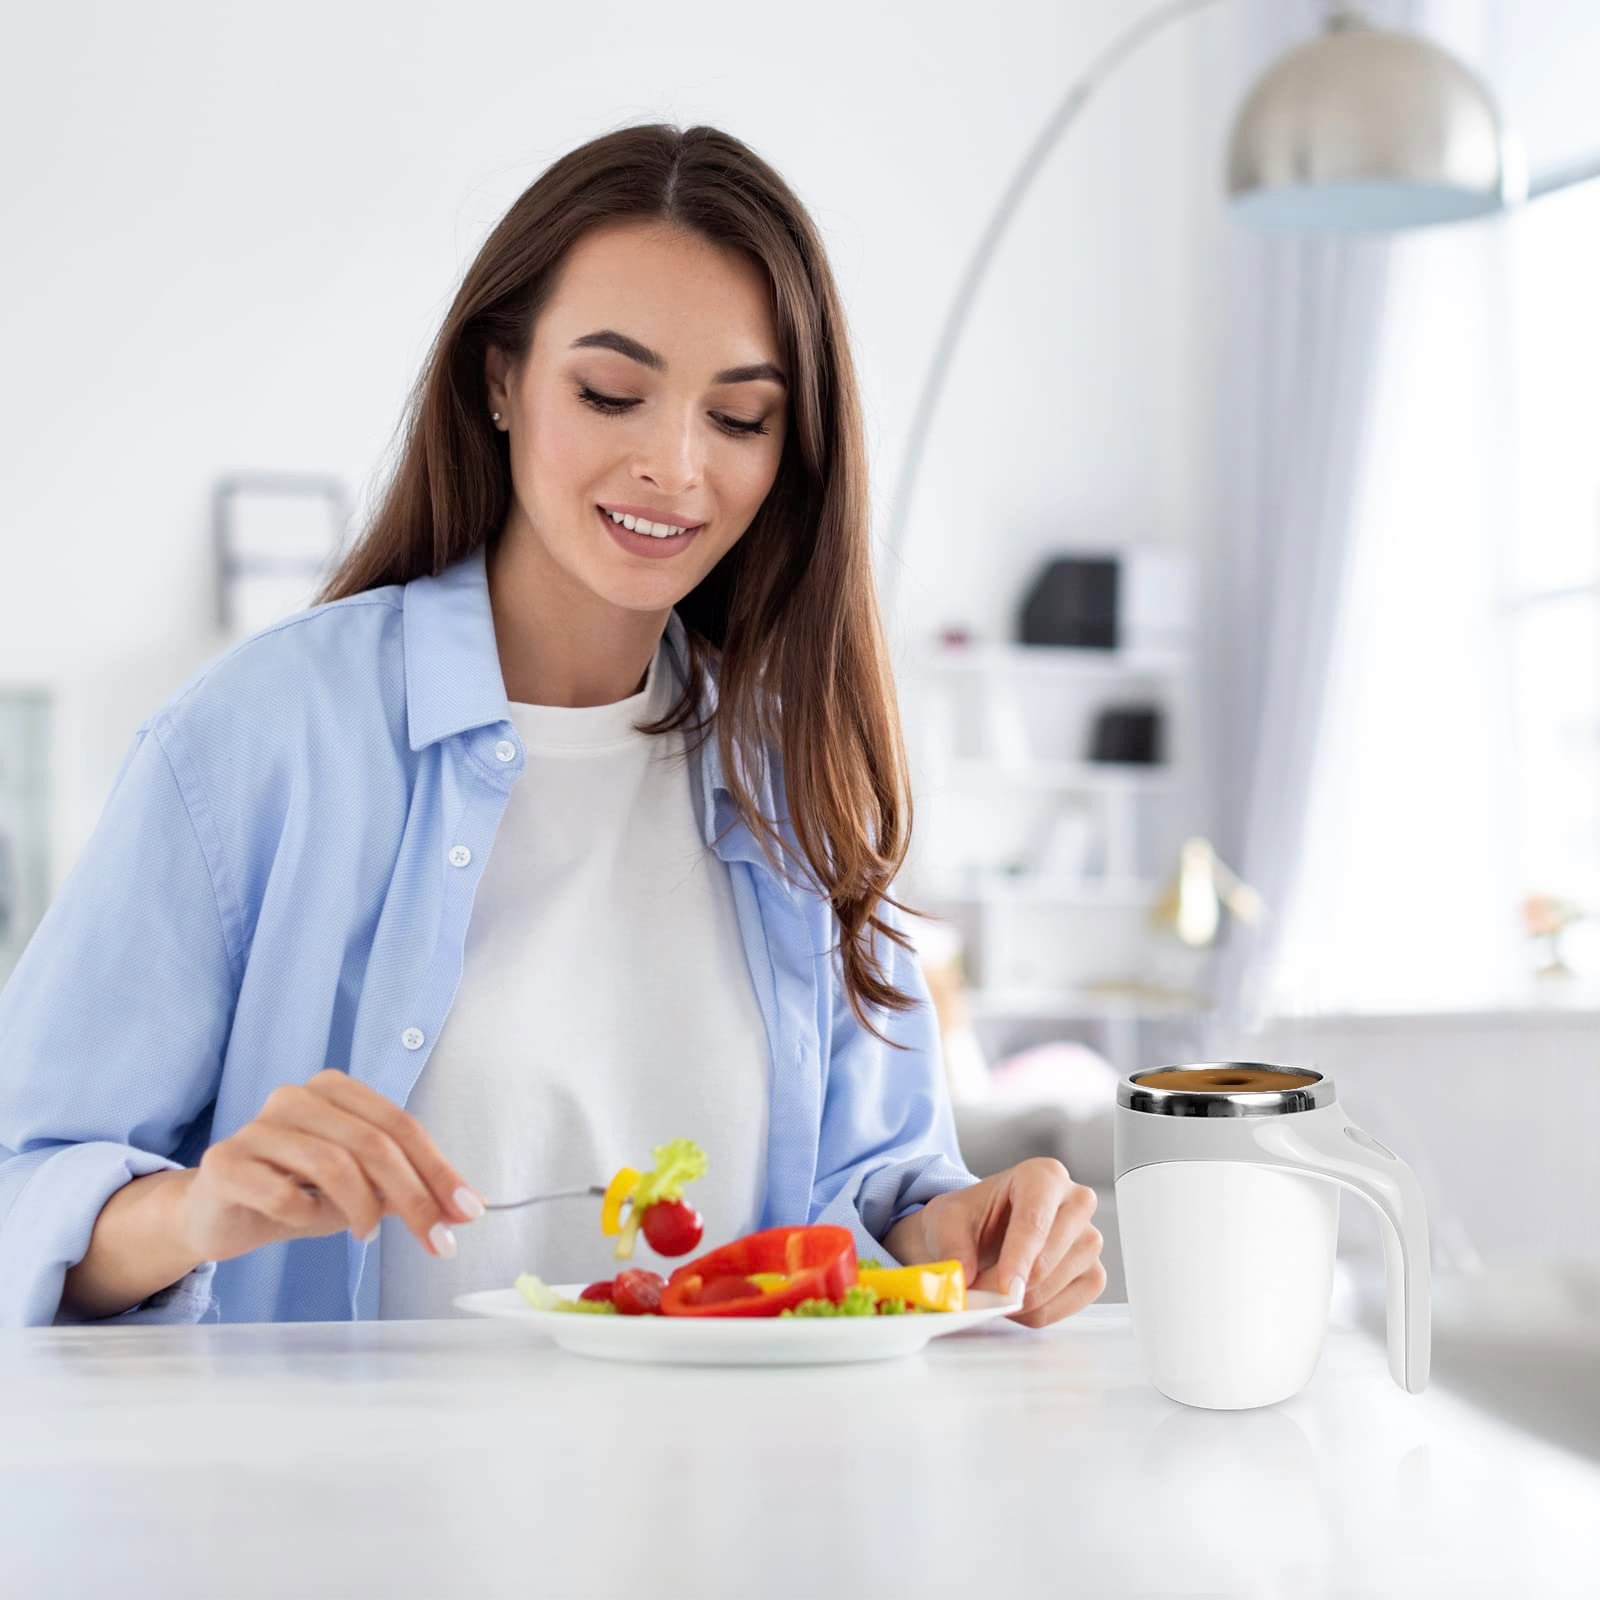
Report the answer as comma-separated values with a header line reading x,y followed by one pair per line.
x,y
1228,1207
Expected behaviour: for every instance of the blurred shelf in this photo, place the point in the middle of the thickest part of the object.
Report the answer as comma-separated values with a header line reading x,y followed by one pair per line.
x,y
1063,660
1081,1004
1000,734
1120,776
991,886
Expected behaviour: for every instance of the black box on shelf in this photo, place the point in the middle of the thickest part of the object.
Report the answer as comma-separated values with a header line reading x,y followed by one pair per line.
x,y
1127,733
1073,601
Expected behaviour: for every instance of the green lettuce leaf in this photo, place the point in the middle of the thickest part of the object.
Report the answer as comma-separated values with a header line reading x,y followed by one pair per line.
x,y
542,1297
678,1162
859,1301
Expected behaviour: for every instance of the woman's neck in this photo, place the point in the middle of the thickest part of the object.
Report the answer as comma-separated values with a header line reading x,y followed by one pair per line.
x,y
560,645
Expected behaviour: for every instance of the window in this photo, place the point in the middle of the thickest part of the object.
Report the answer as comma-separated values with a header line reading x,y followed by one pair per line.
x,y
1459,768
1552,579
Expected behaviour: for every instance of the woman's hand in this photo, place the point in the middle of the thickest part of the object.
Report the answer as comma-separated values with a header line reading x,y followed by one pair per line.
x,y
366,1156
1027,1226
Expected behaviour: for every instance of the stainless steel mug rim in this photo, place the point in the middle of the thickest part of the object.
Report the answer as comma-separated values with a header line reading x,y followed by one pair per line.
x,y
1132,1095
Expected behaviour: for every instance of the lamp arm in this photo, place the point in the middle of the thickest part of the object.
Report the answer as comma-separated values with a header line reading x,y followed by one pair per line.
x,y
1066,112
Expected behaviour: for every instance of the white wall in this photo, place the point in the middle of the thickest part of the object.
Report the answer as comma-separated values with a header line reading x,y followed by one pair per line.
x,y
239,228
233,231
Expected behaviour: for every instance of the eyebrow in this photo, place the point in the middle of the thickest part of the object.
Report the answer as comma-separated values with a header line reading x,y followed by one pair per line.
x,y
610,339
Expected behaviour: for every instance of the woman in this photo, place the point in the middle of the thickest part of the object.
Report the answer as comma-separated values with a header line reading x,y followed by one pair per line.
x,y
543,837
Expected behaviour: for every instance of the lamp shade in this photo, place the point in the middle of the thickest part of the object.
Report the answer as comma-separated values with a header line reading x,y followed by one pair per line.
x,y
1365,130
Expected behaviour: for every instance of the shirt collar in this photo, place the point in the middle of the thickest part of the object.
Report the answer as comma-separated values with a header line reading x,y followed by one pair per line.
x,y
454,683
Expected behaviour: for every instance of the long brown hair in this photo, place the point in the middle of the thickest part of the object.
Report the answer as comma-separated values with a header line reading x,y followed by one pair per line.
x,y
790,612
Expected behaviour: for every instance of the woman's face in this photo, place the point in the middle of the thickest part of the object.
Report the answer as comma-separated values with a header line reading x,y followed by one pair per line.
x,y
630,397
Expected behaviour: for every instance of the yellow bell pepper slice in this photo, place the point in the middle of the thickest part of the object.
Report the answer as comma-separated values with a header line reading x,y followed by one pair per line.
x,y
617,1192
768,1282
932,1285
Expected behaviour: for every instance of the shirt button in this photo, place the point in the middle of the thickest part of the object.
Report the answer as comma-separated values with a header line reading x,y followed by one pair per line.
x,y
460,856
412,1038
505,750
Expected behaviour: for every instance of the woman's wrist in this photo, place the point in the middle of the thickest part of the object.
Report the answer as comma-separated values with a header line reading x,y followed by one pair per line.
x,y
139,1246
904,1240
176,1197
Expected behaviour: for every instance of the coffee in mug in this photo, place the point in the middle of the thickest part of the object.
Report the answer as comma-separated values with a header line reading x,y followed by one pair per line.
x,y
1238,1077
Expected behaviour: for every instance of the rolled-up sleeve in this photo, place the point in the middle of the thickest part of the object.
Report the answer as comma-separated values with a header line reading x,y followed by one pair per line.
x,y
888,1141
113,1027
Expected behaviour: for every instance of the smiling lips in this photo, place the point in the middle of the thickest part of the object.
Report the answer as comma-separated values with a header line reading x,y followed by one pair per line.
x,y
643,544
648,521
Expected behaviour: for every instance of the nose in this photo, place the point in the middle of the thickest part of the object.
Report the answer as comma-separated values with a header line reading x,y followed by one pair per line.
x,y
672,460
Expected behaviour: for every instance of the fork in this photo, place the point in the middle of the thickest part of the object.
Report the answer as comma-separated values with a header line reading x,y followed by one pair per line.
x,y
558,1194
507,1205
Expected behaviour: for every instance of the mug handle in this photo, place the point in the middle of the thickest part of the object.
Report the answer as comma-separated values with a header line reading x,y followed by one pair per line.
x,y
1349,1156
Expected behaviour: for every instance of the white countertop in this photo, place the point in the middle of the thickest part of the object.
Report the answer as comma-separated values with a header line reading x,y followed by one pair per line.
x,y
467,1458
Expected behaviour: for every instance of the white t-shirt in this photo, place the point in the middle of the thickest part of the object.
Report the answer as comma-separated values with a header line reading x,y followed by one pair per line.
x,y
605,1007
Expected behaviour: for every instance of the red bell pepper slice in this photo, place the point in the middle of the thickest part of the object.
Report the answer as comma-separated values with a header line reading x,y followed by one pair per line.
x,y
820,1261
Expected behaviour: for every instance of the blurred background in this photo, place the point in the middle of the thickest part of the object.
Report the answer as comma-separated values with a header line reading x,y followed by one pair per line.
x,y
1245,598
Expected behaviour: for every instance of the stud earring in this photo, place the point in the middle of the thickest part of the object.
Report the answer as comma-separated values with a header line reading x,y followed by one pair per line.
x,y
494,416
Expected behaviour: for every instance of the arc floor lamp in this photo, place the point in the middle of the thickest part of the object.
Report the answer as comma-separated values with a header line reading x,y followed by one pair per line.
x,y
1361,129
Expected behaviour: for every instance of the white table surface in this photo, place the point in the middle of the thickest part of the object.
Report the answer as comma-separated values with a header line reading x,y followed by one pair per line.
x,y
468,1458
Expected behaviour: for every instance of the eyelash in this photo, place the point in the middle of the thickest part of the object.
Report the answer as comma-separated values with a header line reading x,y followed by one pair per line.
x,y
608,406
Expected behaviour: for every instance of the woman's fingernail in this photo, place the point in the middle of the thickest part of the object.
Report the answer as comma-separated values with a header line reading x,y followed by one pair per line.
x,y
469,1202
367,1238
442,1240
1018,1289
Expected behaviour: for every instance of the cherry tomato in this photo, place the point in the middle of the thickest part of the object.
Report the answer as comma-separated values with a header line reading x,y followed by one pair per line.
x,y
598,1291
671,1227
637,1292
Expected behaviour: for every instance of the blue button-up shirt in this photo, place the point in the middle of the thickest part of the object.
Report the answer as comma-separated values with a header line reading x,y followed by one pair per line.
x,y
269,891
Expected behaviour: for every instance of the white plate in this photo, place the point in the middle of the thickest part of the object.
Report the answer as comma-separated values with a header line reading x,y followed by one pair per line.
x,y
735,1341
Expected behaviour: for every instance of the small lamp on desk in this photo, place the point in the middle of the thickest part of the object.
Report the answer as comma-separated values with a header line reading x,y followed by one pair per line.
x,y
1191,906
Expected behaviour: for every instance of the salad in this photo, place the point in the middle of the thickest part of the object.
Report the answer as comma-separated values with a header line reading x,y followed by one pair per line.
x,y
804,1271
655,1202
